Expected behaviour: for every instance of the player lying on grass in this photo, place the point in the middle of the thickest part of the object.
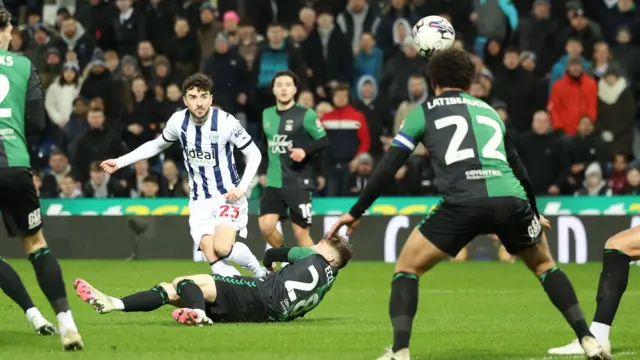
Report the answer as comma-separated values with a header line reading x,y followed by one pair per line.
x,y
619,251
283,295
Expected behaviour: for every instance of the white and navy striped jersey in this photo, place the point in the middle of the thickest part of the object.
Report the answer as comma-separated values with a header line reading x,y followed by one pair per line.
x,y
208,150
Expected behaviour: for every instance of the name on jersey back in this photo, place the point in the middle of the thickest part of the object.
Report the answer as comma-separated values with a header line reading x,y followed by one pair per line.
x,y
456,101
6,60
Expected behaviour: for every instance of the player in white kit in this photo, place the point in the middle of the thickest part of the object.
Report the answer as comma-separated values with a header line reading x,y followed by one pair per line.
x,y
218,206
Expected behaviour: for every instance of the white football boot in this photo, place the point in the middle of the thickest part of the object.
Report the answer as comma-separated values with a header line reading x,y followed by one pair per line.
x,y
398,355
574,348
40,325
87,293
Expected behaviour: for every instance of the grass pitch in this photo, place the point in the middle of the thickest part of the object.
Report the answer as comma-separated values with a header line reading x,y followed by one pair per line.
x,y
470,310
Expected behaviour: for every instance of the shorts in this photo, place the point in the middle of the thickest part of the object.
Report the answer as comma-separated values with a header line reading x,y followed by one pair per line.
x,y
239,299
206,213
450,227
296,201
19,202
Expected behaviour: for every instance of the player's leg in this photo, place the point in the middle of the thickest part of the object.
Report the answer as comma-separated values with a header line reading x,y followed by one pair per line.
x,y
462,255
271,208
13,287
299,204
619,251
194,291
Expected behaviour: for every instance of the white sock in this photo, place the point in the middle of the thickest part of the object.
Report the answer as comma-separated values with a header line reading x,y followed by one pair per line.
x,y
241,255
223,268
117,303
32,313
65,322
600,331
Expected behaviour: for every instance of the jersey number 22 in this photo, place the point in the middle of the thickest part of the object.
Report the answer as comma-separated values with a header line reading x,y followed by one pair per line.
x,y
4,91
455,154
304,304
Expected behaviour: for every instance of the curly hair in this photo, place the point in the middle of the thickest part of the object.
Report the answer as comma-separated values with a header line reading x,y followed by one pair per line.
x,y
451,68
198,81
5,18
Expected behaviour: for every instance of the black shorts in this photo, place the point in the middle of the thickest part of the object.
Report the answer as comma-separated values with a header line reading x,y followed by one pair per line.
x,y
296,201
19,202
239,299
450,227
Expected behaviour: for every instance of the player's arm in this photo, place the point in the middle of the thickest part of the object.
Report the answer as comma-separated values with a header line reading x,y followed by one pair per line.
x,y
520,171
290,255
314,128
242,140
34,114
401,148
150,148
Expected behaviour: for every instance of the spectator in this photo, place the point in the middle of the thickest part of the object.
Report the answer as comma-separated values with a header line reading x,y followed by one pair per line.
x,y
348,131
173,186
544,156
146,56
617,179
183,49
150,187
572,98
230,22
60,95
358,179
328,55
305,98
52,67
76,126
159,17
207,32
418,94
584,148
594,185
273,11
633,178
60,167
36,51
129,71
308,19
375,111
112,63
249,43
275,55
627,55
517,88
602,61
136,179
101,185
540,91
323,107
623,13
536,33
493,56
138,115
17,44
397,9
494,20
356,20
395,77
368,60
37,183
128,28
94,16
99,83
69,187
97,144
162,74
500,108
230,76
573,49
297,35
616,113
583,29
73,38
401,32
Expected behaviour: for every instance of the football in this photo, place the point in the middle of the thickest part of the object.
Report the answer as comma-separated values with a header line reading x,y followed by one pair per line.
x,y
432,34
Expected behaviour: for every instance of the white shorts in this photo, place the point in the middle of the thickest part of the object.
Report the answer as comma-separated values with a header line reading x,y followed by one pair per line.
x,y
205,214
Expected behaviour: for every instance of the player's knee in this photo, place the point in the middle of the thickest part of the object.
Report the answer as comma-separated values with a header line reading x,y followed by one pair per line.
x,y
33,242
300,232
267,226
176,281
170,291
621,243
222,249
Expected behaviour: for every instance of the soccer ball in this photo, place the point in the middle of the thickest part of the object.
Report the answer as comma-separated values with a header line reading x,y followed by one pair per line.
x,y
432,34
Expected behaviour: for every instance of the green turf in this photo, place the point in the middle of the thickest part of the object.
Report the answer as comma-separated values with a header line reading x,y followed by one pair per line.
x,y
467,311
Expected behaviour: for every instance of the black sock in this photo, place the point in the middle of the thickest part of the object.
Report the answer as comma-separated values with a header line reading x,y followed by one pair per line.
x,y
613,283
191,295
560,291
146,300
12,285
49,277
402,307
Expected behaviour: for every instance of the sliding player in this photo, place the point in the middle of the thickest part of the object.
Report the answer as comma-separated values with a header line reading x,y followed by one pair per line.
x,y
218,207
283,295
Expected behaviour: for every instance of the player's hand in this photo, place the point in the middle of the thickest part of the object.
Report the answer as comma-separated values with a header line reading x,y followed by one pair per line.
x,y
545,222
347,220
234,195
297,154
109,166
263,180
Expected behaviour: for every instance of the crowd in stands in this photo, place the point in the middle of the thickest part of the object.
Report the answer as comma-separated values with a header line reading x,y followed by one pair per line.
x,y
563,75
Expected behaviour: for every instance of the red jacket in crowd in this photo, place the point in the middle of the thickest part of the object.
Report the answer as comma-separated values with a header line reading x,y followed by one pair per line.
x,y
572,99
348,132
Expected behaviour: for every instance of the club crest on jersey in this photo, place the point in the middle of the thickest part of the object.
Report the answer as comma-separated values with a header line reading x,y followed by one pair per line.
x,y
213,137
288,125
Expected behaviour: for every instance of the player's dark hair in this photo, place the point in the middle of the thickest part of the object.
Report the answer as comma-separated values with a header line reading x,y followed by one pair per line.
x,y
5,18
342,246
198,81
340,87
451,68
282,73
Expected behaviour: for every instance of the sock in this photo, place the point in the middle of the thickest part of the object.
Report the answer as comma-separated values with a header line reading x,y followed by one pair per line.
x,y
191,295
145,300
12,285
65,322
613,283
600,331
241,255
402,307
49,277
560,291
223,268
